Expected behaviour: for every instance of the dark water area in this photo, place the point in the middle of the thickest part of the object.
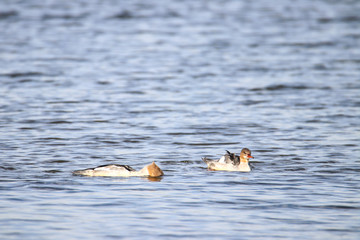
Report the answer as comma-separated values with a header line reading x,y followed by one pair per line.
x,y
93,82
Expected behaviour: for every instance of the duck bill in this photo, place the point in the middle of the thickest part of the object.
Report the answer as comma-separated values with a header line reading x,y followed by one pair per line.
x,y
250,156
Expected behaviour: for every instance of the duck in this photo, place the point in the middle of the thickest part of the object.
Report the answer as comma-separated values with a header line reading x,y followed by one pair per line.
x,y
116,170
231,162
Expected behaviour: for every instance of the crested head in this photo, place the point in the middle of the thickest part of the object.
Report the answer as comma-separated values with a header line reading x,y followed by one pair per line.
x,y
245,154
154,170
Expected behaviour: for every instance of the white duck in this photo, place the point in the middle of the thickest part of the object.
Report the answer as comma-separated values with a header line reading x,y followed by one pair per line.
x,y
114,170
231,162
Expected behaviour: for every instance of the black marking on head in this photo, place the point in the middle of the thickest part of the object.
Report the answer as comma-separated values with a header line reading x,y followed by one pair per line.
x,y
246,150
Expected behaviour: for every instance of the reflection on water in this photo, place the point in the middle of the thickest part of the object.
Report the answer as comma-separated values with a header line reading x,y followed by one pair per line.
x,y
87,83
154,179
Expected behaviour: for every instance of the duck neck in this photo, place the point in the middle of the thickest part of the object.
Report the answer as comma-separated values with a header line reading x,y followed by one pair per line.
x,y
144,171
243,160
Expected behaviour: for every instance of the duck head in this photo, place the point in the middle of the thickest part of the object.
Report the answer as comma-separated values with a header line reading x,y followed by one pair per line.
x,y
154,170
245,155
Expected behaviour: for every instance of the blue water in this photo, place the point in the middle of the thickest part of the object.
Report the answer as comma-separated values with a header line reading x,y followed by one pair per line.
x,y
93,82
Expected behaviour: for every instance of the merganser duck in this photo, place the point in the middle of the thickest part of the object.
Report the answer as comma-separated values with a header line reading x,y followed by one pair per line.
x,y
231,162
115,170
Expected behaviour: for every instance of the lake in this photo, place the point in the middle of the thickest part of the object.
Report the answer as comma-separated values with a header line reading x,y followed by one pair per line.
x,y
92,82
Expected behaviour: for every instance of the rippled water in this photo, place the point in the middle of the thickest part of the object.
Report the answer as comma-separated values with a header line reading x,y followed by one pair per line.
x,y
86,83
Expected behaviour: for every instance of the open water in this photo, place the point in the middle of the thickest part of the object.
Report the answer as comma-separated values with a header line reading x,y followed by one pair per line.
x,y
91,82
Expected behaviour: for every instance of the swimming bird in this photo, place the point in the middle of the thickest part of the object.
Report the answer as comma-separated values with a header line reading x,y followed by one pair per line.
x,y
231,162
115,170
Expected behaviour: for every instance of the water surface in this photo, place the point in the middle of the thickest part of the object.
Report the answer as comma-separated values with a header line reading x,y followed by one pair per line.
x,y
86,83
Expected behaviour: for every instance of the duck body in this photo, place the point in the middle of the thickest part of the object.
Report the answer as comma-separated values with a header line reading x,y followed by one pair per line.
x,y
231,162
218,166
115,170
